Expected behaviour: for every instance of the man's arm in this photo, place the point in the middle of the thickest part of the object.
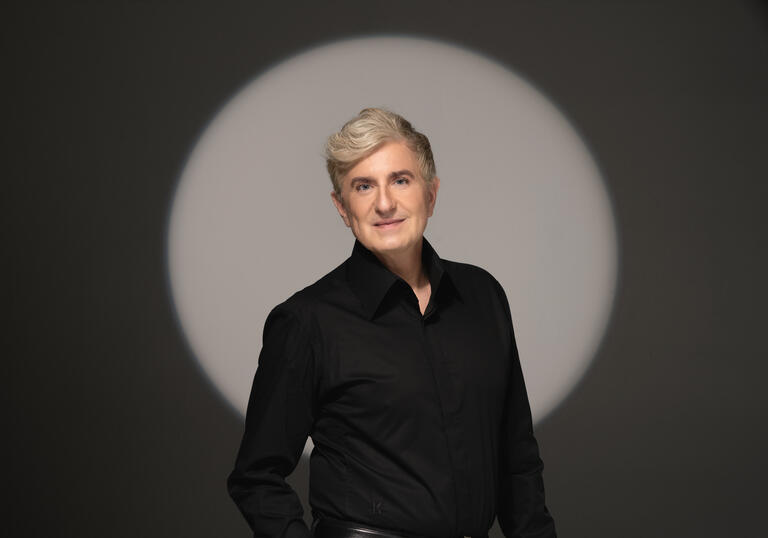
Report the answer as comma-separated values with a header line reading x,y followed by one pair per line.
x,y
278,421
522,512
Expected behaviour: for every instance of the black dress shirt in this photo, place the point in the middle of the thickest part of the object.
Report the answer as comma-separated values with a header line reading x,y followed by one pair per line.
x,y
420,423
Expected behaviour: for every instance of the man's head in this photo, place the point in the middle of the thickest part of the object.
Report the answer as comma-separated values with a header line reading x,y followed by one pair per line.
x,y
361,135
384,180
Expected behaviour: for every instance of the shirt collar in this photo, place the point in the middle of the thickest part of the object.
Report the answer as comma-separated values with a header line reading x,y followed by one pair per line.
x,y
371,280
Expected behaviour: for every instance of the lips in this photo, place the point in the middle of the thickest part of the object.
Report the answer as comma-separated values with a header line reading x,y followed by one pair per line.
x,y
388,222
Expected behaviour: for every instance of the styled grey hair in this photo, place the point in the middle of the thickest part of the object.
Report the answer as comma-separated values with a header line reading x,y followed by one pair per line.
x,y
364,133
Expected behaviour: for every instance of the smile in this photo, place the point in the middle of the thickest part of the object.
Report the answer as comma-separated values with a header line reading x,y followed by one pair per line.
x,y
388,225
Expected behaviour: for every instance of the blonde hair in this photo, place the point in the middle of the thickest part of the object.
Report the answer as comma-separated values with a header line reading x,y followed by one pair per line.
x,y
364,133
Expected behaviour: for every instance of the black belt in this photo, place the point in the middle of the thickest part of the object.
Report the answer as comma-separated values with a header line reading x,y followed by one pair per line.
x,y
335,528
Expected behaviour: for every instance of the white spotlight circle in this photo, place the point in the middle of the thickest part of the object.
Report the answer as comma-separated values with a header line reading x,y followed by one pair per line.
x,y
252,222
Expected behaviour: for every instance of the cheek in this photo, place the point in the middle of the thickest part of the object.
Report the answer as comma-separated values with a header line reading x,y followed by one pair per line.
x,y
422,208
356,212
354,219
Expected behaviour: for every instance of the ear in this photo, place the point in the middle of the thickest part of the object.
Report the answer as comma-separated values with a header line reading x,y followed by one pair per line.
x,y
432,195
339,203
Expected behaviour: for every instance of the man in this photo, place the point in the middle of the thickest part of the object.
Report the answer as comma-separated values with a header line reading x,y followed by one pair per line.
x,y
403,368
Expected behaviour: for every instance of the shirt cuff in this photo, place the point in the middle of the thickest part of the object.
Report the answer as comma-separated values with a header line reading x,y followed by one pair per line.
x,y
297,529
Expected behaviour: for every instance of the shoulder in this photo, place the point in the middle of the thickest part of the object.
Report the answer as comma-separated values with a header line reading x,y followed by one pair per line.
x,y
472,277
479,287
303,305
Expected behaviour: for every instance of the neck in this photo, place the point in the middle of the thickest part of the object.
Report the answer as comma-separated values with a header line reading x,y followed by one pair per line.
x,y
407,265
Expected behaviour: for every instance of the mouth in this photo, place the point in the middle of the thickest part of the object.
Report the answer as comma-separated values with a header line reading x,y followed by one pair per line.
x,y
388,223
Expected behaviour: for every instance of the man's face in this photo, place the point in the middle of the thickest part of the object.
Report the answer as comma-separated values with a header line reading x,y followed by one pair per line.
x,y
386,202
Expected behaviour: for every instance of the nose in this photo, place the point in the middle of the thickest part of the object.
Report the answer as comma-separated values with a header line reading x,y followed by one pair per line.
x,y
385,202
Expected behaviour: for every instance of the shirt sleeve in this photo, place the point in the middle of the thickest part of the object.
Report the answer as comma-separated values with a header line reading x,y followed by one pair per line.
x,y
278,421
522,512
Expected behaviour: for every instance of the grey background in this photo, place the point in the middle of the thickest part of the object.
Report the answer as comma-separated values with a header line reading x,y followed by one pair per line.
x,y
110,428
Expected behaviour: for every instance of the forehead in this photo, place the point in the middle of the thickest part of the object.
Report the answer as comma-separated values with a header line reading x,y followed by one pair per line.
x,y
387,158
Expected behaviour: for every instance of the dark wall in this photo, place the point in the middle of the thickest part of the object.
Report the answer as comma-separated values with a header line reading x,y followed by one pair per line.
x,y
111,430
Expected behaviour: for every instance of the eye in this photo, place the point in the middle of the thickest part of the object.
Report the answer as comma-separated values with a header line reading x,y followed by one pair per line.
x,y
402,181
362,187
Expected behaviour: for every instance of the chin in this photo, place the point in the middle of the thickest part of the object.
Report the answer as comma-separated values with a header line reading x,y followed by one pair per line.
x,y
376,242
392,245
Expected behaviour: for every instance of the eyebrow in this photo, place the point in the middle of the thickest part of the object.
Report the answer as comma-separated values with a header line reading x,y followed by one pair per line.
x,y
392,175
